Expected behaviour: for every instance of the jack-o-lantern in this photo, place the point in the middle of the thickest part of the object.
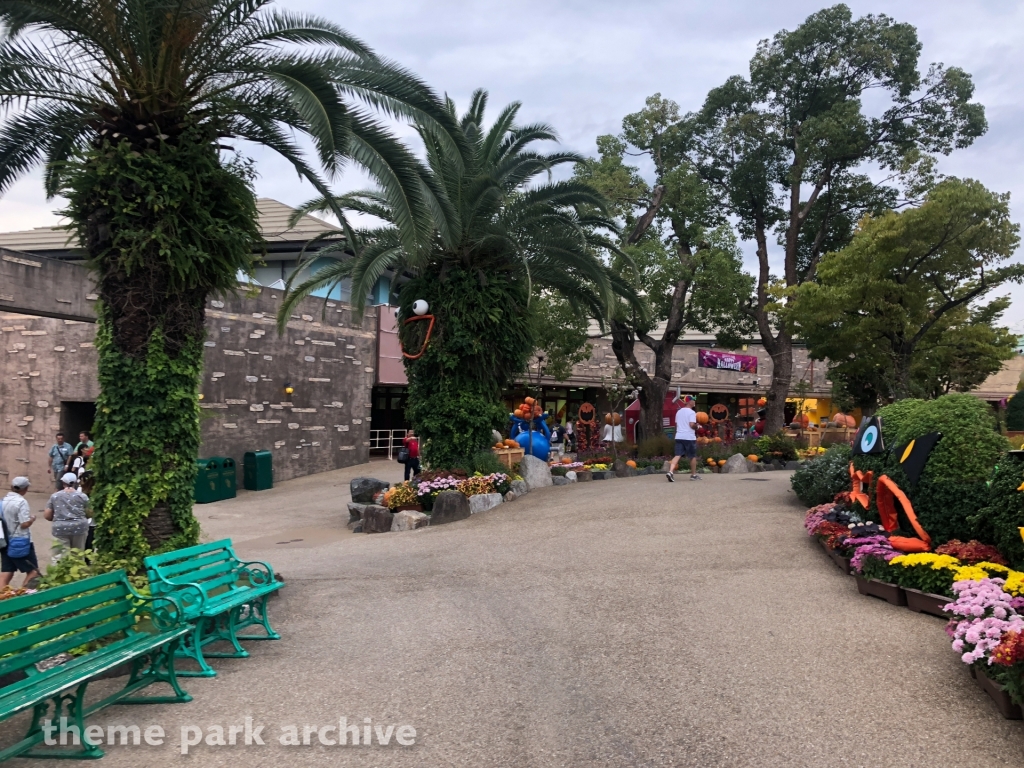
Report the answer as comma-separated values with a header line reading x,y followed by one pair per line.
x,y
702,418
586,428
719,412
762,402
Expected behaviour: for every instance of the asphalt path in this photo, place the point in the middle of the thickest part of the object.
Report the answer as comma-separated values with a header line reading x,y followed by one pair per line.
x,y
629,622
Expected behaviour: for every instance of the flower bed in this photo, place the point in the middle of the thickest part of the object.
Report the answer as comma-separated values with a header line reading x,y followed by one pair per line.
x,y
424,488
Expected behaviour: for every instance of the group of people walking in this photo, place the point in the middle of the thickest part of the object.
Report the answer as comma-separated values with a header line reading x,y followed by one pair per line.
x,y
67,509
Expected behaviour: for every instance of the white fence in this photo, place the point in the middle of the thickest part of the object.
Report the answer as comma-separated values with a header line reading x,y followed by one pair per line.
x,y
389,440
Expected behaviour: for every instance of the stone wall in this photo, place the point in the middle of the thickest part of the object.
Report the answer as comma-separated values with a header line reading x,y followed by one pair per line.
x,y
328,360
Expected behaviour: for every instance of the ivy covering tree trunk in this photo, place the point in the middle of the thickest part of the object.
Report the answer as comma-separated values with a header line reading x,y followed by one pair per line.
x,y
162,231
480,342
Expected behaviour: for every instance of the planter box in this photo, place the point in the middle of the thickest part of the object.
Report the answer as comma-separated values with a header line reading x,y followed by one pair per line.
x,y
842,562
509,456
409,508
874,588
1006,708
924,602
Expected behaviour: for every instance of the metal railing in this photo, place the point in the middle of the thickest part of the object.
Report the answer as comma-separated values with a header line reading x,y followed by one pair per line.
x,y
389,440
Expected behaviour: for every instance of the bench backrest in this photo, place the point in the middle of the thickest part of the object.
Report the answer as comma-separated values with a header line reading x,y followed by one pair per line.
x,y
214,567
37,626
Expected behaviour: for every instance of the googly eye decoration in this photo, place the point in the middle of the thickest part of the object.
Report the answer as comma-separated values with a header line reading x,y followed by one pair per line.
x,y
420,307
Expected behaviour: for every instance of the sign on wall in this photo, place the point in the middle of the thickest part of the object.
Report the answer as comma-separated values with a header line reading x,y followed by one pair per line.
x,y
727,361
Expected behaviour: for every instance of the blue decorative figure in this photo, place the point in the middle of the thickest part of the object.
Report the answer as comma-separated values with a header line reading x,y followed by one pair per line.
x,y
541,439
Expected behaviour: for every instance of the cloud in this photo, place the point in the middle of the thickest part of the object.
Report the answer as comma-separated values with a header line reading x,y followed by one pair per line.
x,y
581,66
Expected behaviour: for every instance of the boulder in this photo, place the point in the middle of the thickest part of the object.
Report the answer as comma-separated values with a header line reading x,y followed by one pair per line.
x,y
622,469
449,506
510,496
409,520
355,511
666,466
496,436
570,476
535,472
793,465
377,519
353,524
737,463
363,489
481,502
519,488
556,480
584,476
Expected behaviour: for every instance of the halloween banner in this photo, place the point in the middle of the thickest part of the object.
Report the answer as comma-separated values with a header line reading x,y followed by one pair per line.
x,y
712,358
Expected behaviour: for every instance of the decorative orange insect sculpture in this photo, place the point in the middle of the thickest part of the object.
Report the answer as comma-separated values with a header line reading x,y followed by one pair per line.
x,y
419,308
586,428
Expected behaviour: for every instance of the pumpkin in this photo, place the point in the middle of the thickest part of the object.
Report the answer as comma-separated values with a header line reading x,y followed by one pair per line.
x,y
721,462
719,412
840,419
631,463
702,418
752,457
716,439
567,459
711,461
511,443
762,402
850,421
529,400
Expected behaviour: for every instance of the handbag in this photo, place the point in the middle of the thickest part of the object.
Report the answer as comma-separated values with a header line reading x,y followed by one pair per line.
x,y
19,546
403,455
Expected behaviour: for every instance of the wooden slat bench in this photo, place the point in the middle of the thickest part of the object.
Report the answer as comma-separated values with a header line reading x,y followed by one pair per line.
x,y
103,609
234,596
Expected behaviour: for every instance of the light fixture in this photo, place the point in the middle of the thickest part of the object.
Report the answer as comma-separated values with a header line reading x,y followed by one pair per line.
x,y
288,388
200,395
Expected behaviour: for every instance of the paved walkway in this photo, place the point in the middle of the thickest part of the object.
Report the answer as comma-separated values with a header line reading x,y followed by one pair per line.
x,y
617,623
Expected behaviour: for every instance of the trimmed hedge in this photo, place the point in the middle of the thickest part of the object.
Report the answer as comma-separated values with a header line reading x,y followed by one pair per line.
x,y
998,522
1015,412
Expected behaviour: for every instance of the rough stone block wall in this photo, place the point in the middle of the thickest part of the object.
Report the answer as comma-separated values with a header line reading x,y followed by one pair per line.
x,y
329,360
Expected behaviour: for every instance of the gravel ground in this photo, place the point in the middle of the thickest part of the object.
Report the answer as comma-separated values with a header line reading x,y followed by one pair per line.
x,y
629,622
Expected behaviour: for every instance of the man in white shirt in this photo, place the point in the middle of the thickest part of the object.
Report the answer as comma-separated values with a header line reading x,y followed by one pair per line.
x,y
17,520
686,439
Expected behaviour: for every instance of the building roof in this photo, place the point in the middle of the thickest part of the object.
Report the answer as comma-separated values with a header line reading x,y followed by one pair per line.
x,y
273,222
1002,383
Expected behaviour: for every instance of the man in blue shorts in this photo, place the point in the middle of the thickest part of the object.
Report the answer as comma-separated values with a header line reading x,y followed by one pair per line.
x,y
686,439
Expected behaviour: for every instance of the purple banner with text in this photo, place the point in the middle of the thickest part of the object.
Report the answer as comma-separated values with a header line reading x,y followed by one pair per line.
x,y
727,361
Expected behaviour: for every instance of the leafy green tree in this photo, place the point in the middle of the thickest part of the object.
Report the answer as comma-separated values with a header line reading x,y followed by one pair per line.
x,y
893,309
1015,412
560,334
128,103
682,257
498,235
786,150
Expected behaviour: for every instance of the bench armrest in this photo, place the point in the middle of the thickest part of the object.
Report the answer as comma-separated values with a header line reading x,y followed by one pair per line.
x,y
186,597
259,572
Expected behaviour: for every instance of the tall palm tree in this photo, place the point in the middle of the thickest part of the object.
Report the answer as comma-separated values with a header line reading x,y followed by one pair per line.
x,y
500,231
128,105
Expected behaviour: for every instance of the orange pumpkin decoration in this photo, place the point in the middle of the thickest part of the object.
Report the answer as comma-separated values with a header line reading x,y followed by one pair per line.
x,y
567,460
752,457
719,412
631,463
711,461
762,402
716,439
840,419
529,400
721,462
702,418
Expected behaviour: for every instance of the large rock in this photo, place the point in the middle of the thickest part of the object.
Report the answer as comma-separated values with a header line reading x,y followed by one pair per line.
x,y
355,511
584,476
409,520
559,480
519,488
737,463
535,472
363,489
570,476
481,502
622,469
510,496
377,519
449,506
792,465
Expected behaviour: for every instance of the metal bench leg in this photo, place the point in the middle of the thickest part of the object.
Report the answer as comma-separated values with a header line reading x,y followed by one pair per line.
x,y
75,704
191,647
259,608
160,670
226,631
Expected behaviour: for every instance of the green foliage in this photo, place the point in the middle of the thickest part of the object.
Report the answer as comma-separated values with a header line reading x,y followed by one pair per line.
x,y
997,523
935,581
147,440
777,446
78,564
821,478
486,463
480,342
560,335
892,312
1015,412
877,568
952,488
659,445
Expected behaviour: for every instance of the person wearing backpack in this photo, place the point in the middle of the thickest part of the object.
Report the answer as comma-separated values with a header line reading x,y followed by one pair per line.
x,y
410,454
19,553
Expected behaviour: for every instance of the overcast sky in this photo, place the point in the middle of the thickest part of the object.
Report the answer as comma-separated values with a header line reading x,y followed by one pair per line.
x,y
581,66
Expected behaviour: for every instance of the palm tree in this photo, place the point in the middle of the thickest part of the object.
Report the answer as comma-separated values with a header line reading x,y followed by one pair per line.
x,y
128,105
499,233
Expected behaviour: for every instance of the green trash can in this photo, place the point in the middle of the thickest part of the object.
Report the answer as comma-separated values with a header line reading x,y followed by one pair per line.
x,y
207,486
257,471
228,477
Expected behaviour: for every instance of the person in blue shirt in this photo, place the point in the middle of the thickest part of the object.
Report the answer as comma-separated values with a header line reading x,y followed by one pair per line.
x,y
60,455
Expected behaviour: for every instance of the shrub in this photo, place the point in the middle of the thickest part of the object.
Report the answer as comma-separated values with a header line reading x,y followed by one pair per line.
x,y
486,463
971,553
1015,412
927,572
78,564
658,445
777,446
952,487
819,480
997,522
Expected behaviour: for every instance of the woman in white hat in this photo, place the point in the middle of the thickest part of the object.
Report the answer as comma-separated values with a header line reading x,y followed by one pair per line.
x,y
68,509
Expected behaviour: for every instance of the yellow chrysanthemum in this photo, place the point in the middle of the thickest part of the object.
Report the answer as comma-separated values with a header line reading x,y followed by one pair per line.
x,y
994,569
936,562
1014,584
970,573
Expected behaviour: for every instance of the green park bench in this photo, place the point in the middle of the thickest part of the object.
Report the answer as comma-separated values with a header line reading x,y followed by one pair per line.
x,y
114,625
234,596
